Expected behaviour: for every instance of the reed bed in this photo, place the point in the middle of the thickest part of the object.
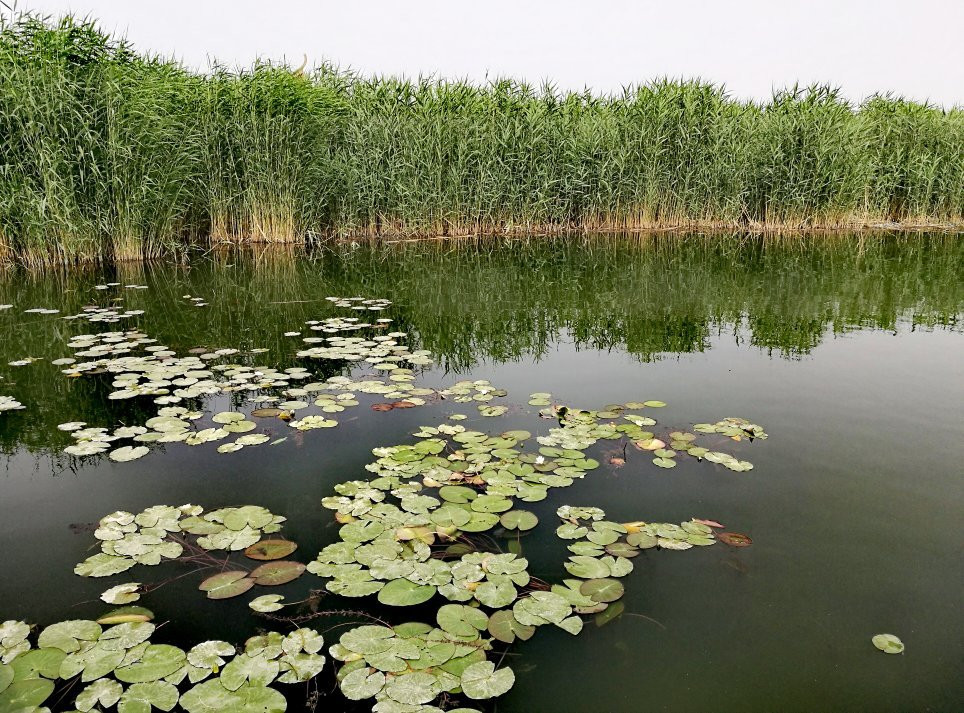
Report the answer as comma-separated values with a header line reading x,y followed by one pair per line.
x,y
106,153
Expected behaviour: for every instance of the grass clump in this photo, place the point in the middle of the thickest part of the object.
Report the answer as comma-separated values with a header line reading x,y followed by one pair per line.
x,y
112,154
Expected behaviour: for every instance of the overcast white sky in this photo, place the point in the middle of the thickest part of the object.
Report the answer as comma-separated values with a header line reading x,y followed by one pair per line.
x,y
910,47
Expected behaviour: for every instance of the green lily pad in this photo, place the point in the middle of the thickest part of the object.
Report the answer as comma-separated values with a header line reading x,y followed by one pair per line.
x,y
518,520
642,540
141,697
122,594
491,503
412,688
38,663
212,697
368,639
69,636
255,670
158,661
208,654
481,680
403,593
480,522
125,636
496,594
274,573
362,683
226,585
128,453
622,549
266,603
602,590
888,643
461,620
126,615
505,627
103,691
587,567
25,695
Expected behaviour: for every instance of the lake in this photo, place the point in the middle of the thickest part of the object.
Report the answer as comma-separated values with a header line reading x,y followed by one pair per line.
x,y
847,350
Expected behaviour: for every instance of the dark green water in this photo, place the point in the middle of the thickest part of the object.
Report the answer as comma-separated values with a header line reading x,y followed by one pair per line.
x,y
849,351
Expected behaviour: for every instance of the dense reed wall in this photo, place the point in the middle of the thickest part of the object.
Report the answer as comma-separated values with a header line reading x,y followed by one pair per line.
x,y
105,153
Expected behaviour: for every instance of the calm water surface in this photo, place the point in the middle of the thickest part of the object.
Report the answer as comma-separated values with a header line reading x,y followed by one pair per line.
x,y
849,351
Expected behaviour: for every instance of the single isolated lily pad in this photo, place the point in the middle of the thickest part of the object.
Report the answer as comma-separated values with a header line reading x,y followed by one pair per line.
x,y
888,643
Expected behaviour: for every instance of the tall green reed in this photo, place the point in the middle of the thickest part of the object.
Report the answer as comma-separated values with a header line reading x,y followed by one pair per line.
x,y
110,154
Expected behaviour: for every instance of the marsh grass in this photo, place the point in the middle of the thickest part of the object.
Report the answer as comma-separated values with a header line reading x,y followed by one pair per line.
x,y
110,154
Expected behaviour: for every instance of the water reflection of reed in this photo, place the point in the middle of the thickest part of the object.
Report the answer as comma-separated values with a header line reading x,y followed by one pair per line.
x,y
498,300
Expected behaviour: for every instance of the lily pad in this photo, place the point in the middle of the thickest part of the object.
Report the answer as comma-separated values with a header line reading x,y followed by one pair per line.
x,y
481,680
602,590
519,520
128,453
245,668
362,683
270,549
158,661
212,697
275,573
141,697
403,593
888,643
226,585
267,603
122,593
25,695
505,627
735,539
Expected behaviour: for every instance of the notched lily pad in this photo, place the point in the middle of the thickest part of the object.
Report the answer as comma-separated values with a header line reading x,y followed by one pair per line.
x,y
226,585
274,573
270,549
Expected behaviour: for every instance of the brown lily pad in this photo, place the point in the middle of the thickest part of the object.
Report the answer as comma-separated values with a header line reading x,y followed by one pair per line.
x,y
708,523
266,412
270,549
382,407
274,573
735,539
403,404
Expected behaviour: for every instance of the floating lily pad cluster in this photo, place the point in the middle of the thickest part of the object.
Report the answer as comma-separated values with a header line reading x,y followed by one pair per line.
x,y
407,666
735,428
159,373
361,303
159,533
104,315
120,666
383,351
583,427
602,552
406,531
8,403
480,390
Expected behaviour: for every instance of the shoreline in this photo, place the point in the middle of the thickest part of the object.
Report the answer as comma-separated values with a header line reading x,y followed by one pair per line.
x,y
186,250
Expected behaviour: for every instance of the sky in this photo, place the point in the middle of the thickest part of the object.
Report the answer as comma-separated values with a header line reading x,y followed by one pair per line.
x,y
911,48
